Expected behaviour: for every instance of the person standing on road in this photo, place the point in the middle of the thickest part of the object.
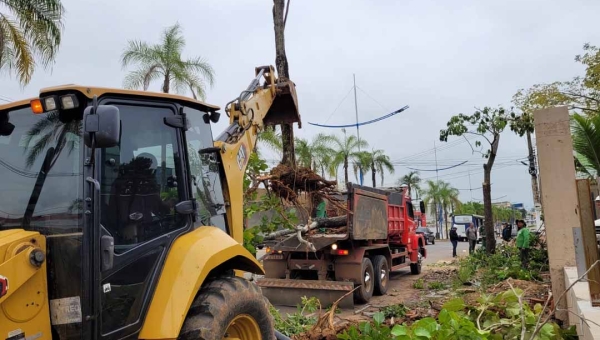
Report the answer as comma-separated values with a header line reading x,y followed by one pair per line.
x,y
472,237
507,232
523,238
454,240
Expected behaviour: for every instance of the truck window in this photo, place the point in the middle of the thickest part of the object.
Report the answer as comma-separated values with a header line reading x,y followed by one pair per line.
x,y
411,212
139,178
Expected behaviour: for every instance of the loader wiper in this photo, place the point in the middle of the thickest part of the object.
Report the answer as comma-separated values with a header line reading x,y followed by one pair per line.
x,y
37,189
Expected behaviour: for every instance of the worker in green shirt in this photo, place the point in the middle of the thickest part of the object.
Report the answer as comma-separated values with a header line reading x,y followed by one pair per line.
x,y
523,242
321,209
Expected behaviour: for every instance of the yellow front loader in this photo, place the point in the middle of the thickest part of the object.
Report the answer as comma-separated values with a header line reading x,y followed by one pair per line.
x,y
121,217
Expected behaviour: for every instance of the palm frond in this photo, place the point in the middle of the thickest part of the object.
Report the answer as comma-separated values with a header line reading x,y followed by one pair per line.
x,y
13,37
586,138
140,52
142,77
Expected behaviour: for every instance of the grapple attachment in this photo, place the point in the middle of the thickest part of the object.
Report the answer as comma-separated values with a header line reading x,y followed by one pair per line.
x,y
285,292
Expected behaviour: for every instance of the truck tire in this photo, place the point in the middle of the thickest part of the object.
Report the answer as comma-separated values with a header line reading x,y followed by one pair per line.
x,y
415,268
228,305
433,241
364,293
382,274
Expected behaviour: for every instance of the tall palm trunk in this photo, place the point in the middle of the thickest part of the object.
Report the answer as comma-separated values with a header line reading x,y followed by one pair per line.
x,y
281,63
167,83
446,219
346,169
373,177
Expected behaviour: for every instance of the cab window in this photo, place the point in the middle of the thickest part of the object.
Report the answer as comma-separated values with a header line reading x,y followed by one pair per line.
x,y
205,172
139,178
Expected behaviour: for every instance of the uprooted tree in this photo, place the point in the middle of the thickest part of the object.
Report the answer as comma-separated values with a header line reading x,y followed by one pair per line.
x,y
487,124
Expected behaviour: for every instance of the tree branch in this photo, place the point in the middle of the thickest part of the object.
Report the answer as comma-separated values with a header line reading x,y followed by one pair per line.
x,y
479,134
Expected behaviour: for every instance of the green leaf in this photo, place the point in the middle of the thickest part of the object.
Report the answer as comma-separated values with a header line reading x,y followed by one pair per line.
x,y
538,308
422,332
399,330
454,305
379,318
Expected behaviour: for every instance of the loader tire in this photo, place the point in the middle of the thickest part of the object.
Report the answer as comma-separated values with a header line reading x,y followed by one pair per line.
x,y
382,274
364,293
228,307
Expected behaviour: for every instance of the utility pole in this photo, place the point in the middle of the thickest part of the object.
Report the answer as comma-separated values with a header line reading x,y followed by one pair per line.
x,y
470,188
357,129
437,177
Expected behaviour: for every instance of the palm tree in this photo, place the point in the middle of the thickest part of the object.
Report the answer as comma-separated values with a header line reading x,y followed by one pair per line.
x,y
432,196
314,154
345,150
448,198
29,29
585,131
412,180
376,161
164,61
271,138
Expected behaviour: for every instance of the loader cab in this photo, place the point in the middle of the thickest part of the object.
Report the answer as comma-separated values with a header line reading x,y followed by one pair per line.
x,y
110,213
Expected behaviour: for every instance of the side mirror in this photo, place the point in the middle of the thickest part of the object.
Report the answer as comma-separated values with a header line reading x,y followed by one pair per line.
x,y
422,207
105,124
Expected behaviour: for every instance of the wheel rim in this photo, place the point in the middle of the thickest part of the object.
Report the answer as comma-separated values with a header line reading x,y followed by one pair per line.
x,y
384,275
367,281
243,327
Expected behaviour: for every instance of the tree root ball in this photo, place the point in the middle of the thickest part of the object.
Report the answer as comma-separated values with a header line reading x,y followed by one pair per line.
x,y
287,182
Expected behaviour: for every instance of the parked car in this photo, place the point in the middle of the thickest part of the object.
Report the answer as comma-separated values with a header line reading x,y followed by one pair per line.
x,y
427,234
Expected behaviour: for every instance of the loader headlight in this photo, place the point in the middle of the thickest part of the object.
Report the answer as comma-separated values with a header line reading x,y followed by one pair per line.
x,y
69,102
50,103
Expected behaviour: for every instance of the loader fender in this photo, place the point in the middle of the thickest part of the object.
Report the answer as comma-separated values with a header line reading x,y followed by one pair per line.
x,y
189,262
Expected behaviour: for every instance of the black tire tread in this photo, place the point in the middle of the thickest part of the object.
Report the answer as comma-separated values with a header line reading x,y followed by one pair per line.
x,y
218,302
378,260
361,295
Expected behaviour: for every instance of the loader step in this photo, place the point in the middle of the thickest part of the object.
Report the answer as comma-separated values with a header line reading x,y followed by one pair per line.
x,y
284,292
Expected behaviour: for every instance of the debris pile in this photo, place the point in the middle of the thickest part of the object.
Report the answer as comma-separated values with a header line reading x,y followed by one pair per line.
x,y
287,183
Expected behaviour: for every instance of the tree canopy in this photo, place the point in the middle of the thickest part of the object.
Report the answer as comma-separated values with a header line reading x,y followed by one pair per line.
x,y
164,62
29,30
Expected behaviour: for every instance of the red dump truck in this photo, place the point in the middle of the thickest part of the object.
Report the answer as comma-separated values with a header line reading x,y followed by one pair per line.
x,y
377,236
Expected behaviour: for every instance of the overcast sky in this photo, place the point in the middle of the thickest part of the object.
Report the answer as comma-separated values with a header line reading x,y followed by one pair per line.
x,y
439,57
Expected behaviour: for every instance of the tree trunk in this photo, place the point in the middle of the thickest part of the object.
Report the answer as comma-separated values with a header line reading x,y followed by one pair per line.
x,y
346,170
167,82
532,171
446,220
373,171
281,63
490,241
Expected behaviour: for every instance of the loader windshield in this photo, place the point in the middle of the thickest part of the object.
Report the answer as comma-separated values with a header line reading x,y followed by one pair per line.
x,y
40,171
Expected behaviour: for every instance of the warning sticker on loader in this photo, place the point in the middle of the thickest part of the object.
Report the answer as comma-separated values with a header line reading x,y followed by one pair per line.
x,y
65,311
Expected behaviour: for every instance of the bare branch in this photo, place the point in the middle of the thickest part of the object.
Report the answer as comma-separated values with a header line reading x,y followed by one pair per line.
x,y
520,297
479,134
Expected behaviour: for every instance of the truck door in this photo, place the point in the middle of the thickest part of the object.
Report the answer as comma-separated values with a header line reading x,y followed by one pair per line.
x,y
141,181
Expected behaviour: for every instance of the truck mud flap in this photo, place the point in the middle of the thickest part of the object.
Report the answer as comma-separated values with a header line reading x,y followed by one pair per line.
x,y
283,292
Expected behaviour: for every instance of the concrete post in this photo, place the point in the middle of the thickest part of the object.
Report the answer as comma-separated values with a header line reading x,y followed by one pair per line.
x,y
559,194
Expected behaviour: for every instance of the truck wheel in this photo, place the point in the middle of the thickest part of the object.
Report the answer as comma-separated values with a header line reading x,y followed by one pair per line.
x,y
433,241
382,274
415,268
228,307
365,291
